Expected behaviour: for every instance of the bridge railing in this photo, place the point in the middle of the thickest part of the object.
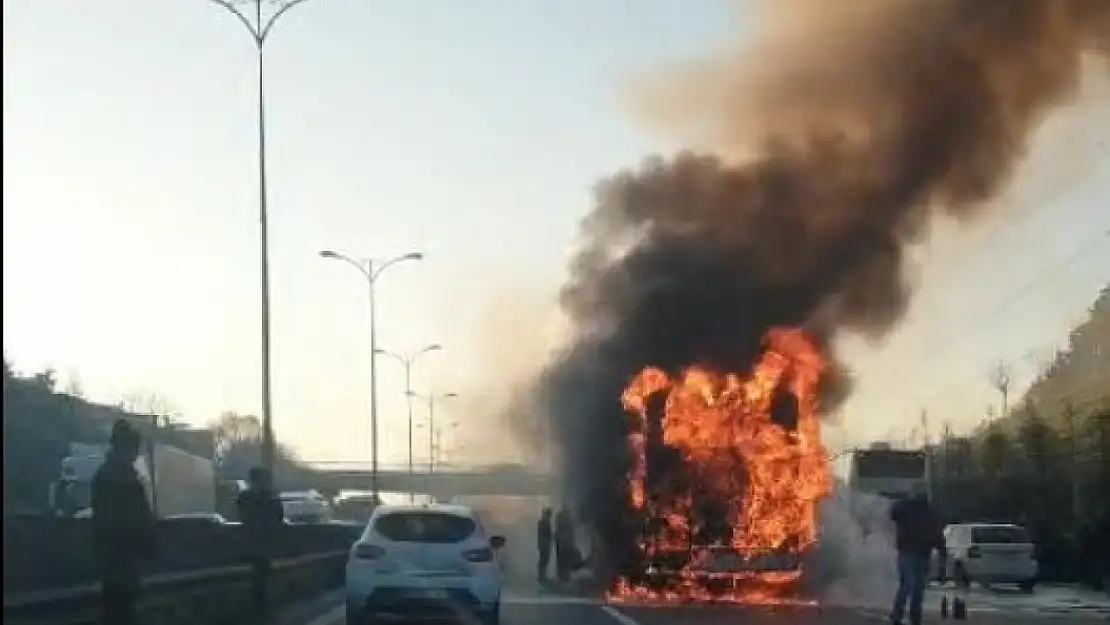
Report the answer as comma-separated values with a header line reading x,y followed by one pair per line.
x,y
219,594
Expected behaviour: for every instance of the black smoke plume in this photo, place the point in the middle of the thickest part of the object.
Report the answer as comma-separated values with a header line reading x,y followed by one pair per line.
x,y
835,142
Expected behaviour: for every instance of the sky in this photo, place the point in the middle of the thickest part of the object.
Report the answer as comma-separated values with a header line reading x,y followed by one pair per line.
x,y
474,136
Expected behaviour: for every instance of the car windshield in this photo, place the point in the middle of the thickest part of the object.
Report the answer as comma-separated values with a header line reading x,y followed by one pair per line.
x,y
999,535
425,527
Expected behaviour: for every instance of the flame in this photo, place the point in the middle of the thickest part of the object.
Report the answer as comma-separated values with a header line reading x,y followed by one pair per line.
x,y
716,441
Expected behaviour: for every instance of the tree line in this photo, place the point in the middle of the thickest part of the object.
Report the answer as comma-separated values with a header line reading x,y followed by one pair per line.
x,y
41,420
1043,460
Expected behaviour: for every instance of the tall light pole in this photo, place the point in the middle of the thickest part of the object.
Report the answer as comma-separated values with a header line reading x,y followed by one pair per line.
x,y
439,440
259,23
430,401
372,270
406,361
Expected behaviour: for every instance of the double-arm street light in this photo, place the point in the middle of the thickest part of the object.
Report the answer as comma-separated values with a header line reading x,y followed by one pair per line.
x,y
259,17
407,361
371,270
430,400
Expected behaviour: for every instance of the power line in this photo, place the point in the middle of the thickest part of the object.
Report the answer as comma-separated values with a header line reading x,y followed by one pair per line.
x,y
998,310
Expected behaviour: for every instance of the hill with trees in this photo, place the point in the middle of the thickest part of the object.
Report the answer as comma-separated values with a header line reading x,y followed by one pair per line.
x,y
1044,462
40,422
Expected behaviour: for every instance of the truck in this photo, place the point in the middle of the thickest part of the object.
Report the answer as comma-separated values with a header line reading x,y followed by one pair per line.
x,y
175,482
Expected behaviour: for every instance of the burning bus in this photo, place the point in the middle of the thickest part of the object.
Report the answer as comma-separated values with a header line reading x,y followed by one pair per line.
x,y
726,478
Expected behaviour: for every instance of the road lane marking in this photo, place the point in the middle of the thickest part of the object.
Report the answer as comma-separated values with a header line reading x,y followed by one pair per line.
x,y
619,616
549,600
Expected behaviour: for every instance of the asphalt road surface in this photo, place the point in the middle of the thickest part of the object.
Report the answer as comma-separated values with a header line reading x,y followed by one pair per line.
x,y
538,609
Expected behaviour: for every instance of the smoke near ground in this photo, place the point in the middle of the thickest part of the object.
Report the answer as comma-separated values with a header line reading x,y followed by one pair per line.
x,y
831,144
855,561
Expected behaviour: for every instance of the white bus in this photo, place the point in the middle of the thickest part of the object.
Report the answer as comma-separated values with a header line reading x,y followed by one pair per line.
x,y
889,473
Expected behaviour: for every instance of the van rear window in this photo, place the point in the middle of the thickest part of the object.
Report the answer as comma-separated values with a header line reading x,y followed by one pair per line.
x,y
999,535
425,527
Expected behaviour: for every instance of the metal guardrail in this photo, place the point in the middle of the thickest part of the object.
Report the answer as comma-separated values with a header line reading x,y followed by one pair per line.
x,y
80,604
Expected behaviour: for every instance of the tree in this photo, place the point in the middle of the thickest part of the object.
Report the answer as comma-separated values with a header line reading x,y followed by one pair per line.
x,y
47,379
40,423
239,449
1046,464
1001,378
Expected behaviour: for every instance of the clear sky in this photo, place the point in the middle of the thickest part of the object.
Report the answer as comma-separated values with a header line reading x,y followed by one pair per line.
x,y
130,223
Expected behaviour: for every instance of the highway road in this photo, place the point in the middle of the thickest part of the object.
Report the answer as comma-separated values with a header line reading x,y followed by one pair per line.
x,y
537,609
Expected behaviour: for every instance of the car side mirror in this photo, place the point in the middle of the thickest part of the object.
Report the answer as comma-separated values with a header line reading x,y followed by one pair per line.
x,y
497,542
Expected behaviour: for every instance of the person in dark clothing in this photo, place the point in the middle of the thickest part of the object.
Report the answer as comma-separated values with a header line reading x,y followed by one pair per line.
x,y
918,533
566,550
123,526
262,517
544,536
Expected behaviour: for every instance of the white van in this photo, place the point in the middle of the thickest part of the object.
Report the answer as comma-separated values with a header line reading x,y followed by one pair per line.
x,y
991,553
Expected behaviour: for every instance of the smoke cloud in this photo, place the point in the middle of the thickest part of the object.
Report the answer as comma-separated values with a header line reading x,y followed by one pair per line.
x,y
830,145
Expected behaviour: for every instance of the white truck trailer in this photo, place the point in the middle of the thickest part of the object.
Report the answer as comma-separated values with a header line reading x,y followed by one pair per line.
x,y
175,482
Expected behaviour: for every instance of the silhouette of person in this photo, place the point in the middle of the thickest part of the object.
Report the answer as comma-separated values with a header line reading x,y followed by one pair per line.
x,y
262,516
544,536
123,526
918,532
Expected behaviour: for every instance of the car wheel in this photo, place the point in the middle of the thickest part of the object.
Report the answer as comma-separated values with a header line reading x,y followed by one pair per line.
x,y
1028,585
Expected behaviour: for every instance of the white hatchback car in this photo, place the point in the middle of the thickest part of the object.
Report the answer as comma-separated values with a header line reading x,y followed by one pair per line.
x,y
433,560
991,553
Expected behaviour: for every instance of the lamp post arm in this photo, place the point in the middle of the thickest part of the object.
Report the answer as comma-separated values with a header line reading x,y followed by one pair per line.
x,y
251,28
274,18
377,270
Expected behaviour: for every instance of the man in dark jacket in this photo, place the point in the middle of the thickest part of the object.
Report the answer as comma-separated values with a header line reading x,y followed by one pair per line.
x,y
123,526
544,534
262,517
918,533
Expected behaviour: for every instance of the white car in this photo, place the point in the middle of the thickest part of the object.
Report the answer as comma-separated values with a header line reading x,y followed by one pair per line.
x,y
991,553
431,560
305,507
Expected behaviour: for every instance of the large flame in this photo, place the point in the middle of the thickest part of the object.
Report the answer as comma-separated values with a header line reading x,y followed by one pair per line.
x,y
720,442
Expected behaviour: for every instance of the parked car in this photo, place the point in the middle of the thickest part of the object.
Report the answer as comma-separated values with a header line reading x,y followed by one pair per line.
x,y
300,507
991,553
424,560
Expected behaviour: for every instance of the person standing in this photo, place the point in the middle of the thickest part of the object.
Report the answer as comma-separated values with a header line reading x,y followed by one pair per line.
x,y
262,517
123,526
917,534
544,536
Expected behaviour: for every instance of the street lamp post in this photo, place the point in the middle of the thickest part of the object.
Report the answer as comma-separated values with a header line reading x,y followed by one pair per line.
x,y
259,23
439,441
430,400
371,271
407,361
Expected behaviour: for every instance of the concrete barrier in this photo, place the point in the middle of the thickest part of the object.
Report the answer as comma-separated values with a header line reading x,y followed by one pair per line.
x,y
208,596
45,553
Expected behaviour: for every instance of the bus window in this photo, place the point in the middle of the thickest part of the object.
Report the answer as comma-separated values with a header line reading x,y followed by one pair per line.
x,y
889,464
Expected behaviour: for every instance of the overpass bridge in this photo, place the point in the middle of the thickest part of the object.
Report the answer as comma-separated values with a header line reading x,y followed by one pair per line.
x,y
446,479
